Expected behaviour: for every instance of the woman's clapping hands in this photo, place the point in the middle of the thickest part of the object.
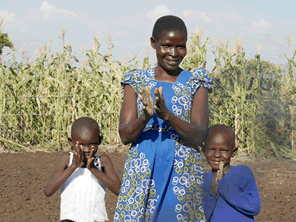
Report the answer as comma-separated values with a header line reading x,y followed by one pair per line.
x,y
159,106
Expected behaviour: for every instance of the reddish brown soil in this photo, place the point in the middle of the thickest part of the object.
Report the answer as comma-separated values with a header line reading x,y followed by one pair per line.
x,y
23,176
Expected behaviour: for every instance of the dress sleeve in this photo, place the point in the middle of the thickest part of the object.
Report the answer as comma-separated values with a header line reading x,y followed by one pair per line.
x,y
240,191
200,77
134,78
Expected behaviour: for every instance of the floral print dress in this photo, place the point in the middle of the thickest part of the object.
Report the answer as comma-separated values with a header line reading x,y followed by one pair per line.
x,y
162,179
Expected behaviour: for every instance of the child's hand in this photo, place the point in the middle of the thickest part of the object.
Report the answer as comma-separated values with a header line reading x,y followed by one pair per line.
x,y
77,160
147,102
220,172
90,160
219,175
160,106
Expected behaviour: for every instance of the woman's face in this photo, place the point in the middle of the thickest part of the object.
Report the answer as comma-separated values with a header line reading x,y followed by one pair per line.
x,y
170,49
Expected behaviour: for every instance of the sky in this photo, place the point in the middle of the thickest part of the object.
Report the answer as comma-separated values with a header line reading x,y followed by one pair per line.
x,y
258,23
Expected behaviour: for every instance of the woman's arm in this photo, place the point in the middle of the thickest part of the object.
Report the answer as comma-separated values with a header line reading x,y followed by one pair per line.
x,y
130,125
194,132
109,177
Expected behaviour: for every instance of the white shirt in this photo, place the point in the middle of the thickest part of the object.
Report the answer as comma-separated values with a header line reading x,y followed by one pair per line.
x,y
83,196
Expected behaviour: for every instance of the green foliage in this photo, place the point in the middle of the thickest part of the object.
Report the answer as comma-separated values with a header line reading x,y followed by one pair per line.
x,y
4,42
253,96
40,100
196,55
250,98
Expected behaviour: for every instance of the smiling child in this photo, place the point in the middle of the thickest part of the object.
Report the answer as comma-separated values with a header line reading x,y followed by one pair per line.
x,y
230,192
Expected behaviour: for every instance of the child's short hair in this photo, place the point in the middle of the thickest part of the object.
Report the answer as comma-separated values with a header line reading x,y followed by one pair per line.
x,y
84,124
221,128
168,23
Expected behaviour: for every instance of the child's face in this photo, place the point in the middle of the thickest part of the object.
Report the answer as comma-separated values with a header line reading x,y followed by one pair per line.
x,y
86,141
170,49
219,148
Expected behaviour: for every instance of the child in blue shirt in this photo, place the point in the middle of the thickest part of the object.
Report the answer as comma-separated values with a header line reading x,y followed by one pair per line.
x,y
230,192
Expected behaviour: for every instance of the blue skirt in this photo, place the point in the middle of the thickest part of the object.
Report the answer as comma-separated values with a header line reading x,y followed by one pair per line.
x,y
162,181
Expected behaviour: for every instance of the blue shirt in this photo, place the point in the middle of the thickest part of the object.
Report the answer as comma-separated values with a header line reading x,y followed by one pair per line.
x,y
238,198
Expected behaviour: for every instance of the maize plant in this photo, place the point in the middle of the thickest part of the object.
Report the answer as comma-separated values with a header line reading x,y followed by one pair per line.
x,y
39,100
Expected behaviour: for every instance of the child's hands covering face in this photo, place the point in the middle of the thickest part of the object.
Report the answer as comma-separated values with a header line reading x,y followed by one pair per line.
x,y
77,160
90,159
147,102
219,175
160,106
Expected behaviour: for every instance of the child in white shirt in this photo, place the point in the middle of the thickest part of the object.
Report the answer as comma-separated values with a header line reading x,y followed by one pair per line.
x,y
82,176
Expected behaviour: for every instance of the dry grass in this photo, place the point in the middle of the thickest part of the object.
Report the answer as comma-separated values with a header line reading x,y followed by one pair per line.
x,y
40,99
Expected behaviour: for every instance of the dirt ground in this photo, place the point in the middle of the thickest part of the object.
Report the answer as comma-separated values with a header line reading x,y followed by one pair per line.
x,y
24,175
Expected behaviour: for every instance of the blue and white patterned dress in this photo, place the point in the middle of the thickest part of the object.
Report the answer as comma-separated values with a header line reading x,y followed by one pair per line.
x,y
162,179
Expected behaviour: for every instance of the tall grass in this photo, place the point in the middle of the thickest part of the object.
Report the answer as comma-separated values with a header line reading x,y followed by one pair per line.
x,y
40,100
255,97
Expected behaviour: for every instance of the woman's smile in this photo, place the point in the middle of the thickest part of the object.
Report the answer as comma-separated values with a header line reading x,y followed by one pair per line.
x,y
170,50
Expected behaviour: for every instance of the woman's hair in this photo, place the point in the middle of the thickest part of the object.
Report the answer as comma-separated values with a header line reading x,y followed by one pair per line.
x,y
168,23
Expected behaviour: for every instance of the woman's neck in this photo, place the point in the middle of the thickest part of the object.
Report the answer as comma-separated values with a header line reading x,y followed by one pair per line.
x,y
166,75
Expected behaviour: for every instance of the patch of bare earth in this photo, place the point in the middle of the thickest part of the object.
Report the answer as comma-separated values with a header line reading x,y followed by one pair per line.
x,y
24,175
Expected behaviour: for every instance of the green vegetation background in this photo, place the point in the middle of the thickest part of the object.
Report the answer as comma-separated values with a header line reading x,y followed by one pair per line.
x,y
39,100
